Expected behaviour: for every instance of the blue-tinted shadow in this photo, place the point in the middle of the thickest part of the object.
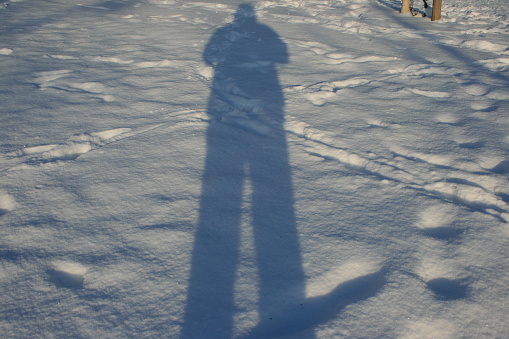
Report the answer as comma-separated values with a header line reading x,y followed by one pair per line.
x,y
245,143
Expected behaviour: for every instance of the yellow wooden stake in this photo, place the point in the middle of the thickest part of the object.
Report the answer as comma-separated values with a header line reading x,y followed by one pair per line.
x,y
436,14
405,6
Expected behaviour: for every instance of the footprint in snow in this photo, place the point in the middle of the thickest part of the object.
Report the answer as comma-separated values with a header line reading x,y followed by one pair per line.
x,y
501,168
325,92
65,274
448,289
495,165
483,106
434,222
476,89
429,94
7,203
57,80
340,58
447,234
448,119
74,148
6,51
497,64
486,46
474,144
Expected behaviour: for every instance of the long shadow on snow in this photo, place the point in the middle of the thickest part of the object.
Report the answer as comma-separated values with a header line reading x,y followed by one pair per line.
x,y
245,144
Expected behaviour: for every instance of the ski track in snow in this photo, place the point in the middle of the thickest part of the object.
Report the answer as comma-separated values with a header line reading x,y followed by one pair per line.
x,y
458,186
461,186
477,182
80,144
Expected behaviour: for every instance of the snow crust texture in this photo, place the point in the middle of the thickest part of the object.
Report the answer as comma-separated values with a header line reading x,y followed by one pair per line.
x,y
279,169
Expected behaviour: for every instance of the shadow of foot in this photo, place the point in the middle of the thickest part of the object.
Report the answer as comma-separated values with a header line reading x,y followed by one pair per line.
x,y
314,311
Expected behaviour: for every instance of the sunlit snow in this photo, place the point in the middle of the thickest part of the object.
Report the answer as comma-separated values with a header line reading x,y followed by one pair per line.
x,y
273,169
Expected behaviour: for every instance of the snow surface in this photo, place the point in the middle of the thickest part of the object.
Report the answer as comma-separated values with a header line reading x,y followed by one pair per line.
x,y
179,169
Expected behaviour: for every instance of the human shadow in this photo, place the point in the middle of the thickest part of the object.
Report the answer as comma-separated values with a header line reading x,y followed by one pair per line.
x,y
247,152
245,144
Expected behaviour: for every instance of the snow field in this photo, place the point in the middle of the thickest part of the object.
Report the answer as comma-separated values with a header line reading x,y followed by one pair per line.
x,y
397,134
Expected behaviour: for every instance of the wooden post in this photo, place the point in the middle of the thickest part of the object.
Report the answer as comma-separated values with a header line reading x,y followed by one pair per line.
x,y
436,14
405,6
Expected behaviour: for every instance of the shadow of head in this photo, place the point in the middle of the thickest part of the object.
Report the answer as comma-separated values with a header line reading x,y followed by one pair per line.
x,y
245,12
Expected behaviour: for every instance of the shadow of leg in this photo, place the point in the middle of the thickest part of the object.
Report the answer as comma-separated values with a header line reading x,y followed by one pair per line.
x,y
210,302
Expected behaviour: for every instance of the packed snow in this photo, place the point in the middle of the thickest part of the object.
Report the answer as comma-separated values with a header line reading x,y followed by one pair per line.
x,y
279,169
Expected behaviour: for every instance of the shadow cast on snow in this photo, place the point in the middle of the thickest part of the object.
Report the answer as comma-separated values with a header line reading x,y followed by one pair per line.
x,y
245,145
34,21
317,310
247,163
